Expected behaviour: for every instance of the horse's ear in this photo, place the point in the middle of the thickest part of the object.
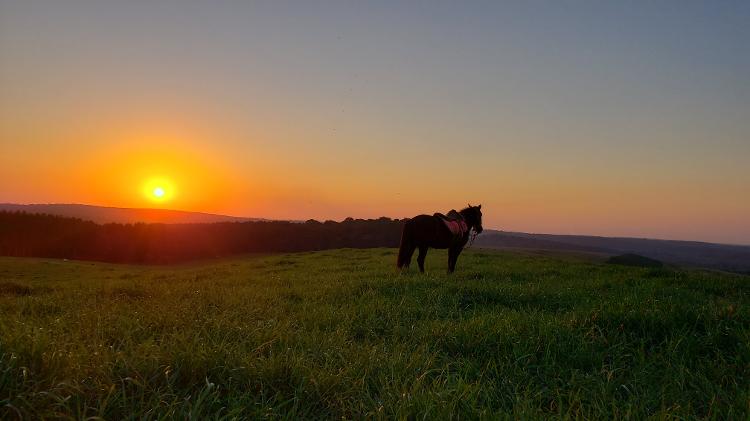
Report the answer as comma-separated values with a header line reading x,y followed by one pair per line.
x,y
479,207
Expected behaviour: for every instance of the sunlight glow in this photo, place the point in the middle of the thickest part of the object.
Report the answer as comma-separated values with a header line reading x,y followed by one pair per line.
x,y
159,189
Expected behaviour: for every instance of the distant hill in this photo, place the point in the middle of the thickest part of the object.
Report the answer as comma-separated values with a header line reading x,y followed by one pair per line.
x,y
630,259
104,215
728,257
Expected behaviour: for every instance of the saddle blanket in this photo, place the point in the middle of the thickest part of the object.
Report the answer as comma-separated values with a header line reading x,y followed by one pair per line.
x,y
457,227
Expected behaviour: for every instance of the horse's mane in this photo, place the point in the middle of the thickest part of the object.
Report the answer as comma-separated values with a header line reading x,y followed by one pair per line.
x,y
469,209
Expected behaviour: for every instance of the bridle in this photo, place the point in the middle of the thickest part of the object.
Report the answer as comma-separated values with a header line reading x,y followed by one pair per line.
x,y
472,235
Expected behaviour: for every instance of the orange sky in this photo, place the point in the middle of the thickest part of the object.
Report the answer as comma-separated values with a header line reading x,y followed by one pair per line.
x,y
200,175
554,122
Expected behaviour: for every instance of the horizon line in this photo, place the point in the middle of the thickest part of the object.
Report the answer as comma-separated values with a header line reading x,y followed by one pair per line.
x,y
257,219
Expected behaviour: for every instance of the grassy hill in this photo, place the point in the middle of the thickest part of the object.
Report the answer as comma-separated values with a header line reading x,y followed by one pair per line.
x,y
340,334
726,257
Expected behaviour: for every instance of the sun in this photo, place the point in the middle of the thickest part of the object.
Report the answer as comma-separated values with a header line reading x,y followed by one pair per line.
x,y
159,189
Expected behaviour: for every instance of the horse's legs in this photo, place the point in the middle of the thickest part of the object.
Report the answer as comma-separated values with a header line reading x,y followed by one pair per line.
x,y
420,258
409,252
453,258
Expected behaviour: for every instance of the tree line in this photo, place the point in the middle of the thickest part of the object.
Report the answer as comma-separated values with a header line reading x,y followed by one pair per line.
x,y
40,235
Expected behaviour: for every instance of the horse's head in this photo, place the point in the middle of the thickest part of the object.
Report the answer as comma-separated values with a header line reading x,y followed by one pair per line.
x,y
473,216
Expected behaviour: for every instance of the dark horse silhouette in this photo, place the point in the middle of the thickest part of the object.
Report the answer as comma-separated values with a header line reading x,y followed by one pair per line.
x,y
438,231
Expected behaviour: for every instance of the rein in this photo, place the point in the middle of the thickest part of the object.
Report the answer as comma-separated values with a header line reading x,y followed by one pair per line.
x,y
473,236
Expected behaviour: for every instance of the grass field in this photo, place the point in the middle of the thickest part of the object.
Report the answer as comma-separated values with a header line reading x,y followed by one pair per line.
x,y
339,333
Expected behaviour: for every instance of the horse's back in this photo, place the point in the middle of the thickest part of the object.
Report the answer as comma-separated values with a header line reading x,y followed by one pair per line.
x,y
420,219
427,230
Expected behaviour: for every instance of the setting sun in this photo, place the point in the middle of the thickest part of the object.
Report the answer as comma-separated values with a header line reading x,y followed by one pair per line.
x,y
159,189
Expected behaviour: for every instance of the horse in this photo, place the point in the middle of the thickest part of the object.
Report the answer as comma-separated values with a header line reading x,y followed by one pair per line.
x,y
438,231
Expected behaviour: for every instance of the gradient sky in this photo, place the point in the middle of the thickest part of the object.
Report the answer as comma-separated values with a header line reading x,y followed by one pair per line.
x,y
621,118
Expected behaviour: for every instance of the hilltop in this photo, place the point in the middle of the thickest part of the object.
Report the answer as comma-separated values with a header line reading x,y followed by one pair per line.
x,y
340,334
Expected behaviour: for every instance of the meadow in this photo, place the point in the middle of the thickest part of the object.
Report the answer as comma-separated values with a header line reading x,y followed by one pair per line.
x,y
341,334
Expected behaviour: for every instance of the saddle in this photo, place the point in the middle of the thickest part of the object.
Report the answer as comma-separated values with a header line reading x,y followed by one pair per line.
x,y
454,222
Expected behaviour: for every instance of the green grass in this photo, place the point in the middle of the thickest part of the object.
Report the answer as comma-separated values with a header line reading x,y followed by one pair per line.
x,y
339,333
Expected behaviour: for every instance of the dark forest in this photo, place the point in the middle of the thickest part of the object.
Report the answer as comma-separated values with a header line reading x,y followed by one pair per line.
x,y
40,235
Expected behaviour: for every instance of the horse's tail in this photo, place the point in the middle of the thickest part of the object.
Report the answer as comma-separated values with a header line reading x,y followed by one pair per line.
x,y
404,249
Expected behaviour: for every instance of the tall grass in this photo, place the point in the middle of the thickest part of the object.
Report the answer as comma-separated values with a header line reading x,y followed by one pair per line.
x,y
340,334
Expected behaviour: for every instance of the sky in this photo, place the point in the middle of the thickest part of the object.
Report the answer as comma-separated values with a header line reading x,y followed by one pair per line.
x,y
603,118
